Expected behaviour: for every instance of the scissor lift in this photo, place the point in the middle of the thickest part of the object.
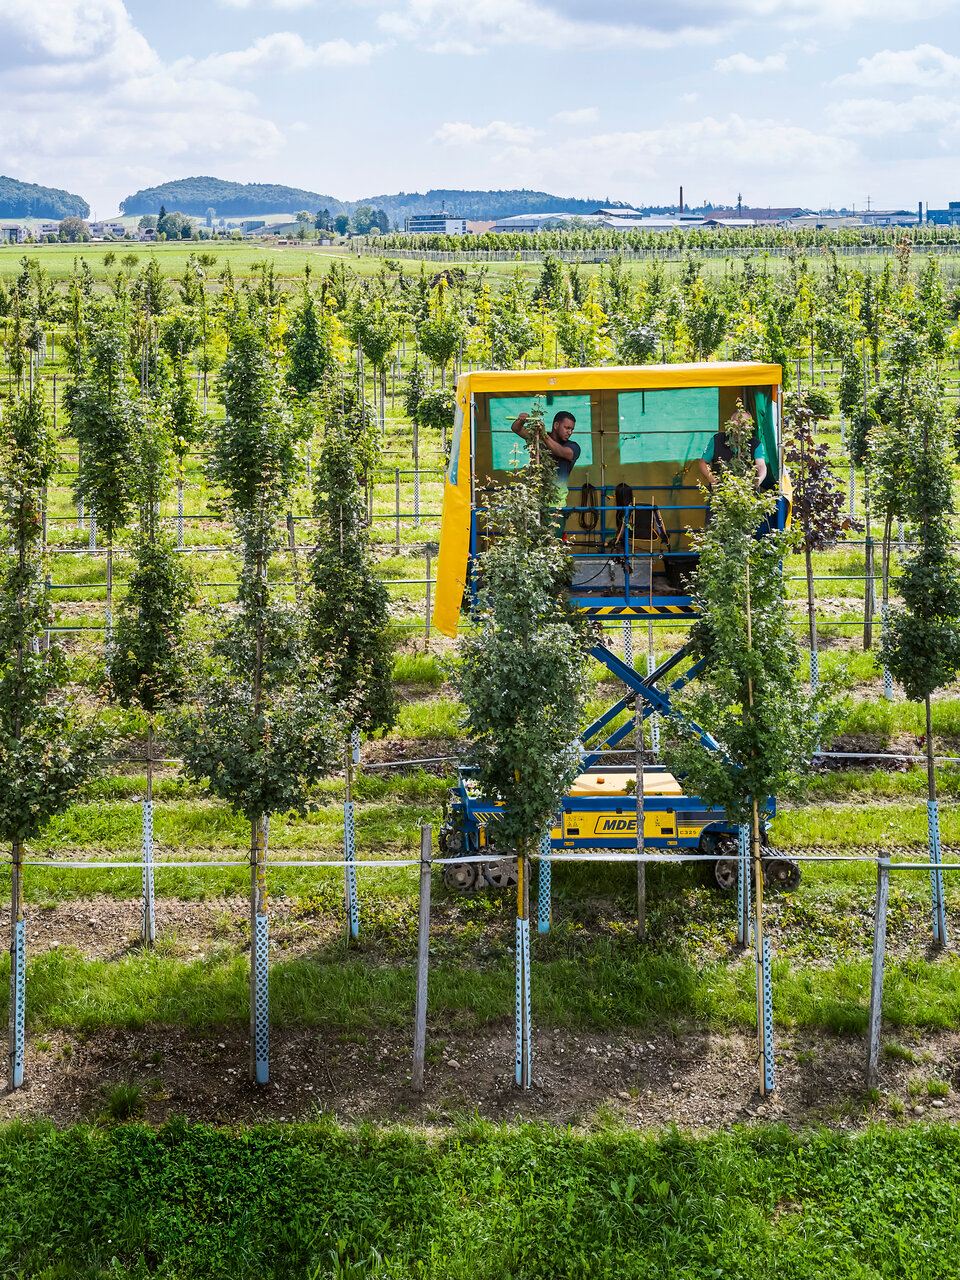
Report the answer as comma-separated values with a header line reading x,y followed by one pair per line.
x,y
600,811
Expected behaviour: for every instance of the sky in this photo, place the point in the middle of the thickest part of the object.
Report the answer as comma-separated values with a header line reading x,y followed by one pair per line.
x,y
821,103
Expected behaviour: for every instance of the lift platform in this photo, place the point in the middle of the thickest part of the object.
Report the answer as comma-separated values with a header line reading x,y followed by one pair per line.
x,y
633,502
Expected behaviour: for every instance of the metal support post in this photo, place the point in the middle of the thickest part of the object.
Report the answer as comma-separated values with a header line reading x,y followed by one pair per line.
x,y
744,904
259,955
543,887
18,972
936,875
423,960
853,491
901,544
523,974
180,515
149,926
876,974
92,522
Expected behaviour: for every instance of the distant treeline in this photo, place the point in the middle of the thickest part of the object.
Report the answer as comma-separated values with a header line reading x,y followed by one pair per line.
x,y
194,196
28,200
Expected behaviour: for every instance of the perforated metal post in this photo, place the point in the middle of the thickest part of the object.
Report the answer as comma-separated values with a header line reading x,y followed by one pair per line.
x,y
651,667
18,973
628,642
179,515
936,874
423,961
843,433
396,480
768,1074
543,887
853,491
744,896
887,673
522,967
416,476
92,522
876,974
149,927
350,842
901,542
259,956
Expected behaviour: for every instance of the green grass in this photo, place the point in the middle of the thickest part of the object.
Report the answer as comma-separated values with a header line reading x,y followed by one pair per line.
x,y
606,984
482,1203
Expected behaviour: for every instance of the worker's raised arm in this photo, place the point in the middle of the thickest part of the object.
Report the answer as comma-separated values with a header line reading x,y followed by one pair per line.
x,y
560,450
761,466
519,423
706,474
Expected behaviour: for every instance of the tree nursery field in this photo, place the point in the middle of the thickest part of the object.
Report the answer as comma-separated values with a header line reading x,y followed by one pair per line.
x,y
220,682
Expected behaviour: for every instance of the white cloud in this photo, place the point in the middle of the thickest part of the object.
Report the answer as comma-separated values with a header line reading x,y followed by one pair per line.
x,y
580,115
84,99
271,4
283,52
880,118
687,98
743,64
459,134
583,25
925,66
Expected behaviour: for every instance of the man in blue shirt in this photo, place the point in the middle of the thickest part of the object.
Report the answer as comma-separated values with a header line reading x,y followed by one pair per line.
x,y
721,449
565,451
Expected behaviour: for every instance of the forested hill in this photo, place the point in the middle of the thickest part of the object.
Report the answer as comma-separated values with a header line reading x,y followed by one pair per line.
x,y
480,206
27,200
195,196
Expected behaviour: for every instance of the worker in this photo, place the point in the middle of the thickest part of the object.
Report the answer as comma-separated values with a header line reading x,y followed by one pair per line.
x,y
564,450
721,449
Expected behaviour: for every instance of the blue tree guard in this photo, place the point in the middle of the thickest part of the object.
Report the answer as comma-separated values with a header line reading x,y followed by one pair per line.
x,y
522,1074
261,1032
18,994
350,871
149,925
936,875
744,880
767,1031
543,888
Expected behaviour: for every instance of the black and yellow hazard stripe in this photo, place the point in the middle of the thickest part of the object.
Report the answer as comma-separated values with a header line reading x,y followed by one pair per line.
x,y
627,611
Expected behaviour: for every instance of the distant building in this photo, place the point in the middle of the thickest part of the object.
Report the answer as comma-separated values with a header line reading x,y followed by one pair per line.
x,y
435,224
13,232
117,229
949,217
249,225
889,217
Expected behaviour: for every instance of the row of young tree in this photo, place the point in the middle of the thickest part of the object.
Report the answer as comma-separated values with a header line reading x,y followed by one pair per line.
x,y
260,705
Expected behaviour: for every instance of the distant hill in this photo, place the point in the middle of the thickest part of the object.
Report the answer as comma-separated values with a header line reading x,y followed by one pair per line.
x,y
476,206
195,196
27,200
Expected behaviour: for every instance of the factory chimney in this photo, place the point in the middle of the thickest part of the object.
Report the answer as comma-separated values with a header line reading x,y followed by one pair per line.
x,y
919,213
681,200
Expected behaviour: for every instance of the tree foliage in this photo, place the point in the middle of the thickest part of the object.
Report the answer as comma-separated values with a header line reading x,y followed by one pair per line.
x,y
521,671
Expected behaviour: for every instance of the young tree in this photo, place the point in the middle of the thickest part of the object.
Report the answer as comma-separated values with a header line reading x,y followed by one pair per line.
x,y
522,672
818,500
349,613
749,695
259,727
147,664
921,644
47,746
106,422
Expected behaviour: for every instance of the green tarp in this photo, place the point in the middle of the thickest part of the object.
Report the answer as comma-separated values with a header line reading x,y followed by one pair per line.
x,y
667,426
510,451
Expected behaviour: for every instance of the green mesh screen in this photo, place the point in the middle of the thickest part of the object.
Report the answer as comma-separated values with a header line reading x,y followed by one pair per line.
x,y
767,432
510,451
667,426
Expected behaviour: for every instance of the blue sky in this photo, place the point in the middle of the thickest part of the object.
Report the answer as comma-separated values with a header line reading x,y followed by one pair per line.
x,y
813,102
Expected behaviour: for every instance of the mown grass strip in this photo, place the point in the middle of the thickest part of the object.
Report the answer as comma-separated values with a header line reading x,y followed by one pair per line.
x,y
313,1201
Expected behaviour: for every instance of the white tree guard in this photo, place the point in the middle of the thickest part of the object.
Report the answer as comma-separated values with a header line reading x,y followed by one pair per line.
x,y
149,924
